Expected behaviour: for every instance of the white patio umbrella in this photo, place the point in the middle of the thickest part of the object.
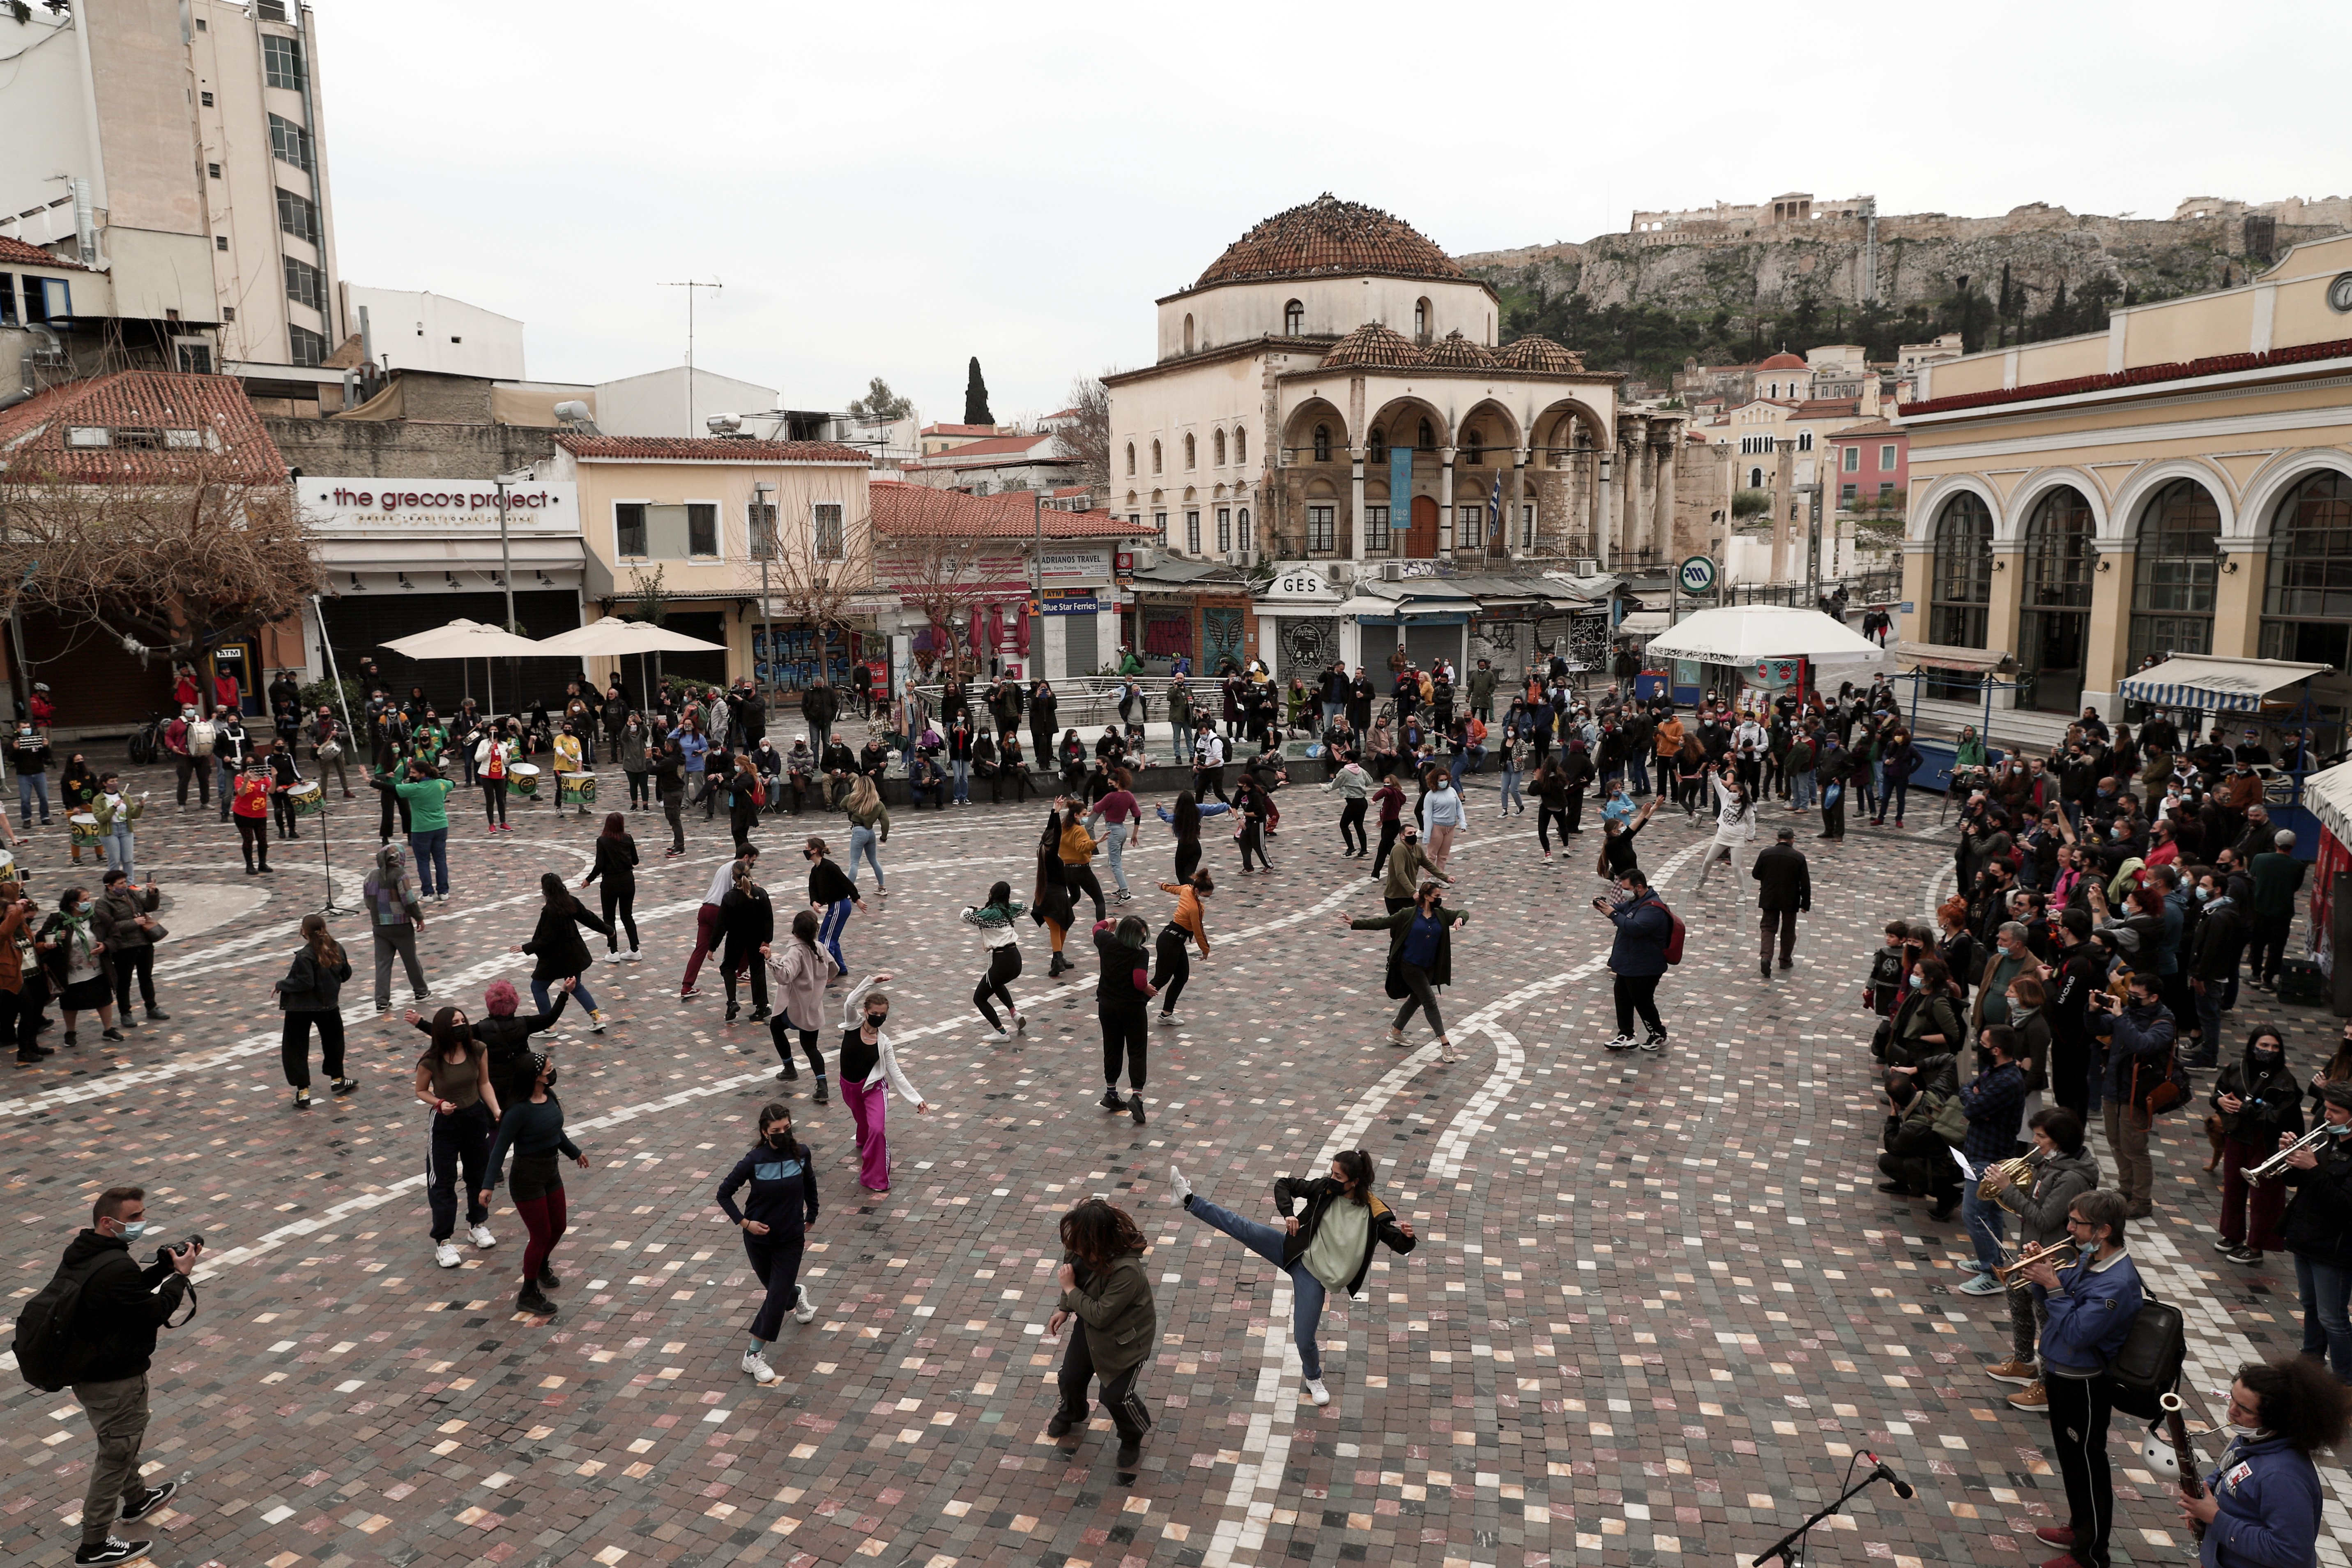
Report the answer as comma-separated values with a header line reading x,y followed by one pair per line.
x,y
614,637
462,638
1742,634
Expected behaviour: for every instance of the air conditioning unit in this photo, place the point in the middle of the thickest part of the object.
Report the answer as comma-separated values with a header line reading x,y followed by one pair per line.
x,y
1146,557
1237,558
1391,570
1588,568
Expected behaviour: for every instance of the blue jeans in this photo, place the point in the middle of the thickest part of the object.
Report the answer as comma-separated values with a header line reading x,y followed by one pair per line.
x,y
1455,766
1266,1241
1637,769
2326,1294
1898,791
2209,1010
541,996
861,842
828,930
1983,1217
29,784
1115,840
1332,711
1511,788
1800,790
118,848
431,850
962,766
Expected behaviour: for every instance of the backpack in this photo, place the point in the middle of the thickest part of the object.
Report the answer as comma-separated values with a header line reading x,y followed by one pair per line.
x,y
1674,936
759,790
50,1353
2147,1366
1951,1120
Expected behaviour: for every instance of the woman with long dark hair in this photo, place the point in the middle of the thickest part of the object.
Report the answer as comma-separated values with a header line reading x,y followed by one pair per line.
x,y
1551,805
743,800
1121,991
1735,822
616,863
869,1071
1184,826
774,1218
1175,965
453,1080
309,994
1328,1247
1050,903
800,973
1105,1288
1690,776
560,953
534,1128
1255,807
994,920
1421,959
749,920
669,787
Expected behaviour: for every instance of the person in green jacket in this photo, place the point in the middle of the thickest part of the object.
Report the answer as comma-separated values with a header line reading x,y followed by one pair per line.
x,y
1105,1288
116,812
1129,662
1421,959
426,796
1968,759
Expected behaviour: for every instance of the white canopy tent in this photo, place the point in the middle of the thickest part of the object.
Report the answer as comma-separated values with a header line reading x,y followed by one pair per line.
x,y
1744,634
617,637
2328,794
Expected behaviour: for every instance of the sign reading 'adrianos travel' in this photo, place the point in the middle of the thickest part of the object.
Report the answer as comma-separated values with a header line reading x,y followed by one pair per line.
x,y
437,505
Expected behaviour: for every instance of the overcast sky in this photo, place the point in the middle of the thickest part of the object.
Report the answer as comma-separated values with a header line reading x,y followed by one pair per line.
x,y
887,190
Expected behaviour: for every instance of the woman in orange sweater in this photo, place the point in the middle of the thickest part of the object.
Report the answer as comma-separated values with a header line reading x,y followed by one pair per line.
x,y
1175,965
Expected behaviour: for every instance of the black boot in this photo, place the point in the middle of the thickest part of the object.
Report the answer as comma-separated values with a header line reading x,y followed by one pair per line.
x,y
547,1279
529,1299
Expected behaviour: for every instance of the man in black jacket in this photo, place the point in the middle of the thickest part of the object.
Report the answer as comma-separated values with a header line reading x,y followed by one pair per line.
x,y
1784,889
122,1307
820,707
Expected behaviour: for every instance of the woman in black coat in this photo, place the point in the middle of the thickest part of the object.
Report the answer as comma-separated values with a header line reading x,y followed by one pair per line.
x,y
616,864
560,953
744,801
1050,904
310,996
749,922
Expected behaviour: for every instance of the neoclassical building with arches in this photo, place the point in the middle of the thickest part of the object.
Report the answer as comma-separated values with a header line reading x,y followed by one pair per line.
x,y
1331,389
2178,483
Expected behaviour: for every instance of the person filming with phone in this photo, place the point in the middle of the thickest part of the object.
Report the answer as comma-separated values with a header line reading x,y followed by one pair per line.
x,y
104,1353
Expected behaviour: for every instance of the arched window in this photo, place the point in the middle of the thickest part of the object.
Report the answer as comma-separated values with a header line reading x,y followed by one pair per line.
x,y
1473,443
1420,317
1187,333
1243,521
2055,625
2307,595
1155,456
1755,479
1961,589
1131,459
1322,443
1428,441
1294,319
1804,440
1218,447
1188,450
1376,450
1241,445
2174,571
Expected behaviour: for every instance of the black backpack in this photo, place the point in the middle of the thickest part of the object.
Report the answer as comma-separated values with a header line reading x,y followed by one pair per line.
x,y
50,1351
2147,1366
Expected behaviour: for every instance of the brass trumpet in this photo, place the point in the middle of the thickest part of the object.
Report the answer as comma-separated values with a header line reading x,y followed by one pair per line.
x,y
2019,1170
2057,1254
2257,1174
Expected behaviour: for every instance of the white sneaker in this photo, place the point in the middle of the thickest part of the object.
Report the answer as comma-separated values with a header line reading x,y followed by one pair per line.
x,y
805,1309
999,1033
613,957
482,1236
1395,1036
1173,1020
446,1255
596,1021
1019,1023
757,1365
1621,1043
635,956
1180,1191
1317,1392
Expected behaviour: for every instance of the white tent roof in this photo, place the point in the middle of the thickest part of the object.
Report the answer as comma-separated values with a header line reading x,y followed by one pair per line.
x,y
613,636
2211,682
466,639
2328,794
1742,634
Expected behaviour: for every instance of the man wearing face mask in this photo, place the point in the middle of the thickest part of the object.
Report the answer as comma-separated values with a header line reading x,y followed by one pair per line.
x,y
2141,1036
2319,1233
2212,965
123,1304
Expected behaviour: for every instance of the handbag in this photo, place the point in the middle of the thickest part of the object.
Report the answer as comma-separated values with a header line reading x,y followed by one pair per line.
x,y
1951,1121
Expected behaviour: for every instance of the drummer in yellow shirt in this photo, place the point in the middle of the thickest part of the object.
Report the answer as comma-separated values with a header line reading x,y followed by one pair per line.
x,y
567,760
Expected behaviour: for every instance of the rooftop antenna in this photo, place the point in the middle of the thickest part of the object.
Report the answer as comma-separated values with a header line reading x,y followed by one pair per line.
x,y
690,285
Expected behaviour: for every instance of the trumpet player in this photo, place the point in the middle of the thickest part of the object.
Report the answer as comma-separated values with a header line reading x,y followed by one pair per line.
x,y
2087,1312
2256,1099
2319,1231
1992,1102
2064,1169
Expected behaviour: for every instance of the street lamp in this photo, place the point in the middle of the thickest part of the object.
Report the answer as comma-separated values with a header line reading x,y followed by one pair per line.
x,y
763,547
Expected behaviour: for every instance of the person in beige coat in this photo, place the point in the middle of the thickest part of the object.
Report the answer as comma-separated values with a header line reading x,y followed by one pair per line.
x,y
799,975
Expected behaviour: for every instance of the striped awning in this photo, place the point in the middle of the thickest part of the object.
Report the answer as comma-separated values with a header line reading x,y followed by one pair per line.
x,y
2328,797
1946,655
2211,683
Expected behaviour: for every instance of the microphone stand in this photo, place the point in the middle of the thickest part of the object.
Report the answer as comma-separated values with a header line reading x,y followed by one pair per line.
x,y
326,851
1790,1548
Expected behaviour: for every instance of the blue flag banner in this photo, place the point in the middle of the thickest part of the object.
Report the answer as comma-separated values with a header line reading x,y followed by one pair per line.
x,y
1400,490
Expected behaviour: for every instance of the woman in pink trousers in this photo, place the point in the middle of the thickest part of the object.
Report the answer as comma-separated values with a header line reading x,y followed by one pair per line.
x,y
869,1071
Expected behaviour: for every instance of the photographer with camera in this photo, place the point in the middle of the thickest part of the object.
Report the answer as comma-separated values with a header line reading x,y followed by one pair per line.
x,y
108,1343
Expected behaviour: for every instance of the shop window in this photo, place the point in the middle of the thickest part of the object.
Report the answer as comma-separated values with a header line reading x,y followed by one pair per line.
x,y
1376,529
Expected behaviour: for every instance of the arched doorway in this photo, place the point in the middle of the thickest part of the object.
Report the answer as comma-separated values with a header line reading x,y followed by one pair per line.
x,y
2174,573
2055,625
2307,593
1959,593
1421,541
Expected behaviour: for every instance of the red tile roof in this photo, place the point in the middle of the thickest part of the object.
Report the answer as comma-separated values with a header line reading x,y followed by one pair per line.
x,y
993,446
33,435
1783,361
1330,238
1375,346
2219,364
1454,351
710,449
18,253
958,430
911,511
1539,353
1828,407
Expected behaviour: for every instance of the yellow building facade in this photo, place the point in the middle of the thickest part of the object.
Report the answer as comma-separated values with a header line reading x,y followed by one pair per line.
x,y
2180,483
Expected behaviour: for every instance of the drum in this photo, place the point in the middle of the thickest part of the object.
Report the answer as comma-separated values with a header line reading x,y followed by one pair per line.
x,y
522,778
10,871
307,799
575,789
201,736
85,829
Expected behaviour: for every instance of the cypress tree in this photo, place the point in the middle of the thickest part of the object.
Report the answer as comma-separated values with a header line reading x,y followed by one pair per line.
x,y
975,397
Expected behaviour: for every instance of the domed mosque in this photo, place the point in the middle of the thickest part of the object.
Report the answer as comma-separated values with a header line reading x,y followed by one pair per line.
x,y
1332,390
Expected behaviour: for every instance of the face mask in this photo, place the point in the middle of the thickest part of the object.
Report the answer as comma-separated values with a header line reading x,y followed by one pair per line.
x,y
2203,894
551,1077
2268,1060
779,1137
875,1020
1916,982
134,1230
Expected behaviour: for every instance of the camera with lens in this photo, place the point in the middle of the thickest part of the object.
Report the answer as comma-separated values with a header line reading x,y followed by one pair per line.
x,y
164,1254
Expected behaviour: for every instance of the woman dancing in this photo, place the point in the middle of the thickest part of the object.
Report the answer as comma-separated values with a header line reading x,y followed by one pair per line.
x,y
533,1129
1175,965
994,920
774,1219
1735,822
1421,959
801,973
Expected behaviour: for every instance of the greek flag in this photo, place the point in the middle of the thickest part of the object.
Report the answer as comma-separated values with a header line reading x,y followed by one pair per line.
x,y
1495,507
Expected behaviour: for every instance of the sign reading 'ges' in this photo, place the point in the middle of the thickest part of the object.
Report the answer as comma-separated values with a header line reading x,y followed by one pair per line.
x,y
437,505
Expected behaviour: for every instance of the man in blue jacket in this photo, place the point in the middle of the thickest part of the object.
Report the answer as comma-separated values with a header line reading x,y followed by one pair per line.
x,y
1637,957
2090,1306
2140,1036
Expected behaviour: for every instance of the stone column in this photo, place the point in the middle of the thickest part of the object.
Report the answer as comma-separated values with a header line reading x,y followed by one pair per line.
x,y
2107,648
1512,536
2238,598
1444,503
1354,548
1605,458
1783,481
1633,443
1663,527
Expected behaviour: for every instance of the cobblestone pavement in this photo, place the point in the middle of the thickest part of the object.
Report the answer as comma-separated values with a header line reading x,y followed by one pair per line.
x,y
1657,1308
